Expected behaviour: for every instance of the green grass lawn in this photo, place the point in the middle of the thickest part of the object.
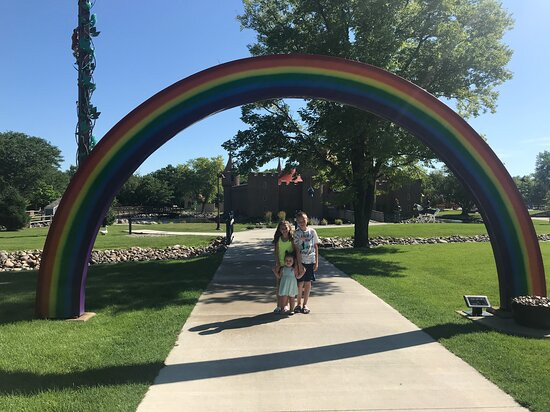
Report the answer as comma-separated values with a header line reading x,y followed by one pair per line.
x,y
117,238
423,229
426,283
108,362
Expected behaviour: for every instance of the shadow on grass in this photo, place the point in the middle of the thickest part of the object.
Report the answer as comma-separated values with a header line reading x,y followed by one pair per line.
x,y
121,287
23,236
27,383
449,330
365,261
31,383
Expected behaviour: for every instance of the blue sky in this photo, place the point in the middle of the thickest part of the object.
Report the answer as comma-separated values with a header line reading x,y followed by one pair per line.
x,y
146,46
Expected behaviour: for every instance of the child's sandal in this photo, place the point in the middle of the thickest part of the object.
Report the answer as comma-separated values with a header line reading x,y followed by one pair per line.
x,y
305,310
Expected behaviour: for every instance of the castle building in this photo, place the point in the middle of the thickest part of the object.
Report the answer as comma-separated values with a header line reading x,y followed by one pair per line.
x,y
287,191
270,191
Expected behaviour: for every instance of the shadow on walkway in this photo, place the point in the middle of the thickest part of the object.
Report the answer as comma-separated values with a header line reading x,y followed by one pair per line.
x,y
288,359
238,323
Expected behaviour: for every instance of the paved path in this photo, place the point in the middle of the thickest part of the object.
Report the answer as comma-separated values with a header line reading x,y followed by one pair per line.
x,y
222,232
353,352
165,233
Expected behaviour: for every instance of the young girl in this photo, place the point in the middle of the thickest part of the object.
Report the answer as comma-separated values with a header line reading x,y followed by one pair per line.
x,y
288,287
283,244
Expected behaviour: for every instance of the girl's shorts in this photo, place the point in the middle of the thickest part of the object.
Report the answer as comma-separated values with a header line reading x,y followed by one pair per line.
x,y
309,276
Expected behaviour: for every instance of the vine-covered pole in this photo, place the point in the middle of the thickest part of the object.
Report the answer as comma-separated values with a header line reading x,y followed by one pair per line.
x,y
83,51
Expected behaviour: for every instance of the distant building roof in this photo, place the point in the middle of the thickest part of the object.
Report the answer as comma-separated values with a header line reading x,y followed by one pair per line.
x,y
289,177
53,205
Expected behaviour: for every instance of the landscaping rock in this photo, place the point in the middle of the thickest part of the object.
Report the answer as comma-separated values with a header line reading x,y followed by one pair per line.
x,y
30,259
347,242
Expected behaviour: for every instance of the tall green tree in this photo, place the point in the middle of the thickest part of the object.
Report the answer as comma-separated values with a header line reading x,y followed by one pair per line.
x,y
29,164
542,178
128,195
179,179
204,178
443,187
528,190
13,207
50,187
452,48
153,192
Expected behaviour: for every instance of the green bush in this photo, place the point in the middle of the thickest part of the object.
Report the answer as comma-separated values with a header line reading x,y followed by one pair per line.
x,y
281,215
111,214
324,222
13,206
268,217
338,221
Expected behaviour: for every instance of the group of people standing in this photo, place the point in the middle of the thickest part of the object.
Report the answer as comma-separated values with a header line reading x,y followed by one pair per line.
x,y
296,261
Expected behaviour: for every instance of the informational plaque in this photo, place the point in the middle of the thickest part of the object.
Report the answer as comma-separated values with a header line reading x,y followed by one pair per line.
x,y
477,303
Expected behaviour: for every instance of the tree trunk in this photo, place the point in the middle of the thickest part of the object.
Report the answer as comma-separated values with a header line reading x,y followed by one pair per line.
x,y
364,194
362,181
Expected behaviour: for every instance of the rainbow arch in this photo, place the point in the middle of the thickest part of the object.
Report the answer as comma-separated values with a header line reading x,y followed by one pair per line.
x,y
64,266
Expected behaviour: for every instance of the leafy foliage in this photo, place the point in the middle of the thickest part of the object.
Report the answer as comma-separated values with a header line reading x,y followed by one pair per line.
x,y
28,163
535,188
197,179
453,49
528,189
12,207
29,176
442,187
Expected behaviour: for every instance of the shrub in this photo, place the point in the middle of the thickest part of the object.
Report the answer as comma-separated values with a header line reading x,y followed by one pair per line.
x,y
338,221
281,215
13,206
313,221
324,222
111,214
268,216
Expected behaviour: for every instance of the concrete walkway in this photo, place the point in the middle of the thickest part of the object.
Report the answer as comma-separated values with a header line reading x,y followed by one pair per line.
x,y
165,233
353,352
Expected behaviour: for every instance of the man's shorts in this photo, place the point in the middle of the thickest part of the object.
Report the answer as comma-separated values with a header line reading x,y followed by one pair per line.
x,y
309,276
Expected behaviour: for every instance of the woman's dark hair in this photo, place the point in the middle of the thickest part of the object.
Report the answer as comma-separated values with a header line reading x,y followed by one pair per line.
x,y
278,233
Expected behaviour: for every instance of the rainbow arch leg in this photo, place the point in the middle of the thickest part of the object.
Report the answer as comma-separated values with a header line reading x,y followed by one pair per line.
x,y
62,276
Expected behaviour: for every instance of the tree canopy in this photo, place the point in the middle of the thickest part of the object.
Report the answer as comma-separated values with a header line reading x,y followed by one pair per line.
x,y
29,163
442,187
172,185
29,176
451,48
535,188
